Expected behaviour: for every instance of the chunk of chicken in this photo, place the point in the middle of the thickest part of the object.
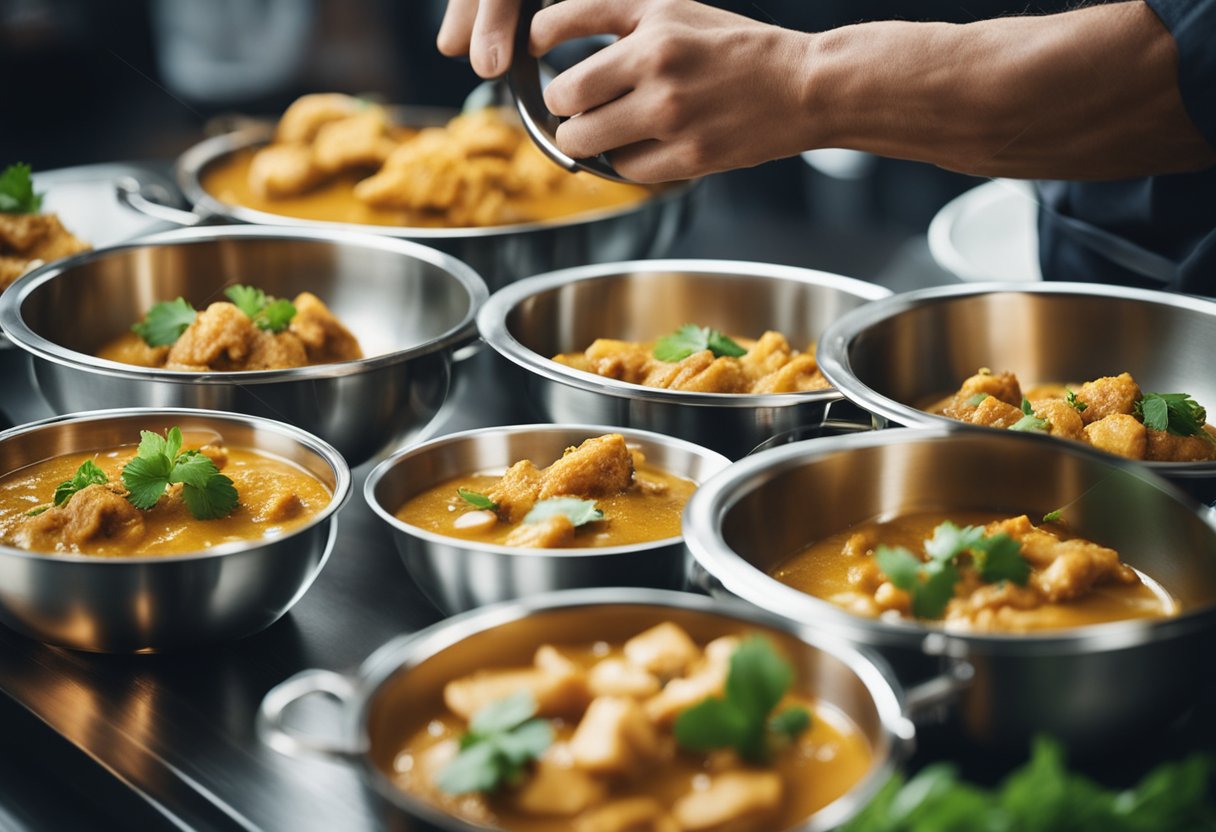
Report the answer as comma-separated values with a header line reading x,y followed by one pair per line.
x,y
1003,387
634,814
484,132
28,240
599,467
799,375
553,532
622,360
994,413
95,514
222,337
359,141
679,695
1063,420
324,337
306,116
558,790
517,491
615,677
533,174
735,801
699,372
665,650
1163,446
283,170
279,507
613,737
1120,434
556,694
1064,569
1108,395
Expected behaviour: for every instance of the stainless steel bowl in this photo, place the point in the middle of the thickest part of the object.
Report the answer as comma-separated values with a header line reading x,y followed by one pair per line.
x,y
500,254
154,603
534,319
410,306
896,354
1089,686
384,702
460,574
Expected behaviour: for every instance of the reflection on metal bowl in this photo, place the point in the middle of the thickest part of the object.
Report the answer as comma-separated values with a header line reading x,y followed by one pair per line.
x,y
154,603
381,704
409,306
908,350
461,574
535,319
1089,686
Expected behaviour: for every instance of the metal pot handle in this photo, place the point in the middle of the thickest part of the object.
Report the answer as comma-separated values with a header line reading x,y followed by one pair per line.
x,y
129,192
274,732
923,699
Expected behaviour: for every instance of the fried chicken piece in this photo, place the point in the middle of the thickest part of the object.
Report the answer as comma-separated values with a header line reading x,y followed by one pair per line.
x,y
484,133
1108,395
96,513
28,240
533,174
517,491
222,337
324,337
1163,446
360,141
599,467
1120,434
556,532
994,413
1001,386
282,170
301,121
1063,420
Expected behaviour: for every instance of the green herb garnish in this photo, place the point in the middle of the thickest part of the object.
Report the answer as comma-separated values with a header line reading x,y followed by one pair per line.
x,y
17,191
1176,413
160,463
271,314
756,682
1071,397
165,322
1053,516
1029,422
977,399
477,500
503,738
87,474
579,511
691,338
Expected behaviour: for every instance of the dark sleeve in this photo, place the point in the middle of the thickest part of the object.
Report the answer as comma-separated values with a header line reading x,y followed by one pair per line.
x,y
1193,25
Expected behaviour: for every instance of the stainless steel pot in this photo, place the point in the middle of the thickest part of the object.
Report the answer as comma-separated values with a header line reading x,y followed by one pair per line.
x,y
460,574
1089,686
410,307
534,319
500,254
154,603
903,352
391,693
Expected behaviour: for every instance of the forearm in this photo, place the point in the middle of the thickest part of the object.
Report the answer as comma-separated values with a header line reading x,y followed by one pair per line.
x,y
1090,94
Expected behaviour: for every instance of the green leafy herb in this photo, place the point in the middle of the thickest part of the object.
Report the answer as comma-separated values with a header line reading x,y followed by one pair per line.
x,y
1177,413
267,312
756,682
165,322
87,474
949,540
1029,422
690,339
17,191
999,558
1071,398
34,512
977,399
477,500
1053,516
579,511
503,738
160,463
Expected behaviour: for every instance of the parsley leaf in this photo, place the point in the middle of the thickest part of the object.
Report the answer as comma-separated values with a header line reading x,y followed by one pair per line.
x,y
1071,398
17,191
579,511
268,313
248,299
165,322
757,681
477,500
87,474
949,540
1029,422
1177,413
503,737
690,339
160,463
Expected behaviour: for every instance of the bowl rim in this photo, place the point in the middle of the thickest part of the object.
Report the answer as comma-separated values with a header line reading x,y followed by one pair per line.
x,y
192,162
403,457
704,541
12,321
835,359
404,653
340,496
492,324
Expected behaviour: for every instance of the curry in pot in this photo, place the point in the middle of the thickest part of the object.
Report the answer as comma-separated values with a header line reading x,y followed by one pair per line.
x,y
601,493
621,738
174,494
997,574
29,237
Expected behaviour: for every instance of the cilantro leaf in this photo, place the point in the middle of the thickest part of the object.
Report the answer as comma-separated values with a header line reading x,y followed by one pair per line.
x,y
165,322
933,595
248,299
1071,398
87,474
1176,413
504,714
999,558
758,676
1029,423
268,313
711,723
690,339
1053,516
146,478
17,191
579,511
276,316
34,512
949,540
216,499
477,768
159,463
503,737
476,499
1155,412
901,567
791,722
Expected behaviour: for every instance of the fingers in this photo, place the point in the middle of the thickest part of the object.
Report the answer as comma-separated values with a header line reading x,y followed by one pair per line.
x,y
613,125
579,19
482,29
457,28
592,82
652,161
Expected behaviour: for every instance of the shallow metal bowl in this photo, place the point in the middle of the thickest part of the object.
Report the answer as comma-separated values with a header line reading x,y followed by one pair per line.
x,y
402,682
500,254
153,603
899,354
461,574
409,306
531,321
1089,685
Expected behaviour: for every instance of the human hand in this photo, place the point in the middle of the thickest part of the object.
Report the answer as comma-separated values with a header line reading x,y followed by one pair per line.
x,y
687,90
482,29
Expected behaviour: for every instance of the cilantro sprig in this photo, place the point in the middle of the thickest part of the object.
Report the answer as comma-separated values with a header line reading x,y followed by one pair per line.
x,y
476,499
268,313
503,737
160,462
1029,423
165,322
931,583
691,338
742,719
1070,396
17,191
87,474
579,511
1176,413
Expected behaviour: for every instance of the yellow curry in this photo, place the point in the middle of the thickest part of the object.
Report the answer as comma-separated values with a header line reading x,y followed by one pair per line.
x,y
613,755
272,497
339,159
599,494
1008,574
